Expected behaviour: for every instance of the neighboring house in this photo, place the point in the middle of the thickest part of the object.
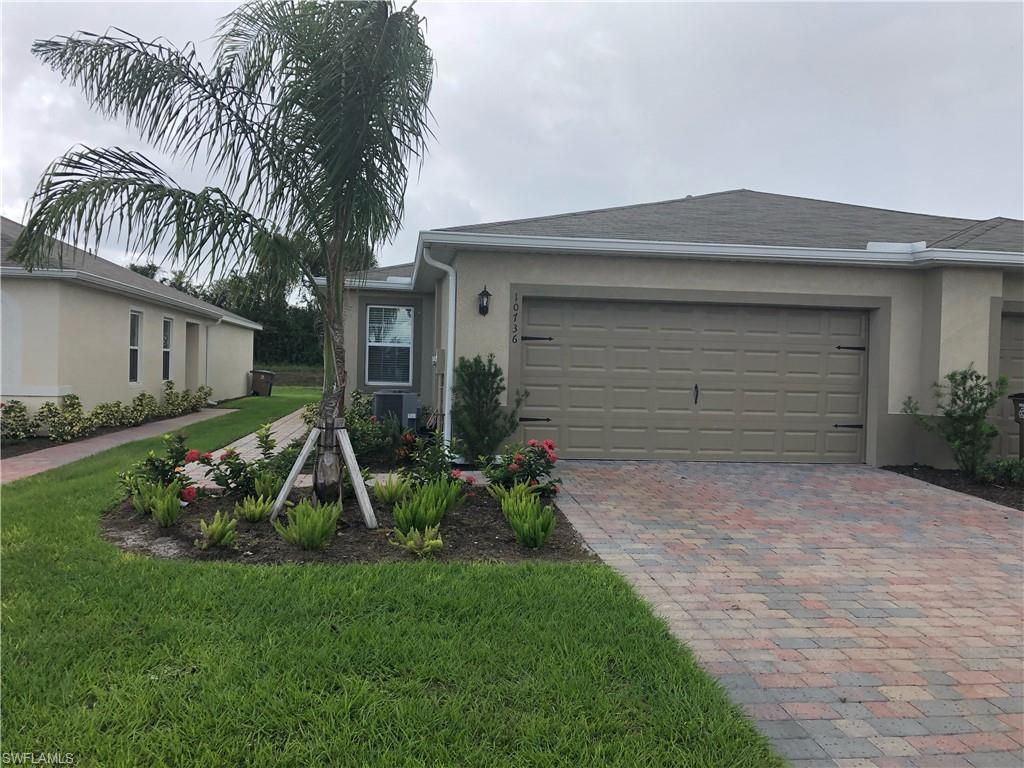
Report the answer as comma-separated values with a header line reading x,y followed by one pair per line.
x,y
102,332
736,326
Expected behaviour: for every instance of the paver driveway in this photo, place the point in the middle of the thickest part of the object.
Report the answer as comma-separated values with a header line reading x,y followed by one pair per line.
x,y
861,617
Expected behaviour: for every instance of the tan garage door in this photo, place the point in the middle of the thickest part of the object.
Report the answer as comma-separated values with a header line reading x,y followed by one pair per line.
x,y
1011,365
649,380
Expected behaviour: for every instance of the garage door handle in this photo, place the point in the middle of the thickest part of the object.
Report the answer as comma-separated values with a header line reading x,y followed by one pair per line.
x,y
696,394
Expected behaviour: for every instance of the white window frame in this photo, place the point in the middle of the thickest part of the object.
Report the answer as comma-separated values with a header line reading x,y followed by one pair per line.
x,y
412,341
137,347
168,350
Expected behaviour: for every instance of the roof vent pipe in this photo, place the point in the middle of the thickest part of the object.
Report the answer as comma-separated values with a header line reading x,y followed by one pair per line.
x,y
449,357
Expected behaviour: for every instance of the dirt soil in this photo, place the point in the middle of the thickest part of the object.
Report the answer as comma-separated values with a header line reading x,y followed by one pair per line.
x,y
956,480
476,531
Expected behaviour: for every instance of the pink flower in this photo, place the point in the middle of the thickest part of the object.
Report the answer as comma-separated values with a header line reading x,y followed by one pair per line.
x,y
533,482
513,467
456,473
373,419
549,444
518,457
189,494
532,443
207,456
470,480
191,456
552,457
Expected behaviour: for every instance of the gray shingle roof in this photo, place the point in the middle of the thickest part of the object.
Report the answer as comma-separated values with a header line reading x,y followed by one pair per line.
x,y
746,217
83,261
395,270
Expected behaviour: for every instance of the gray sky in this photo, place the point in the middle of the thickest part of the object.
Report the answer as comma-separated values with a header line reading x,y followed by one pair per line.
x,y
547,108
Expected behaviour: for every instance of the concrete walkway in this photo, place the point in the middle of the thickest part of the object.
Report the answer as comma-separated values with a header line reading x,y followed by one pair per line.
x,y
29,464
862,618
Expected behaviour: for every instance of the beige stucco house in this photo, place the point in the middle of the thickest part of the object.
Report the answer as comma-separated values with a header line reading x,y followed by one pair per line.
x,y
738,326
102,332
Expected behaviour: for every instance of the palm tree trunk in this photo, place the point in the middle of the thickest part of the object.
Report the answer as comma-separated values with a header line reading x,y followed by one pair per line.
x,y
329,466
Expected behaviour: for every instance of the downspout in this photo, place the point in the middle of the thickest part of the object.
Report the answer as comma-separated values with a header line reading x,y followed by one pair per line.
x,y
449,358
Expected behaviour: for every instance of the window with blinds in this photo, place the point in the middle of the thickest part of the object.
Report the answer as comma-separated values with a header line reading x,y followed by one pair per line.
x,y
389,345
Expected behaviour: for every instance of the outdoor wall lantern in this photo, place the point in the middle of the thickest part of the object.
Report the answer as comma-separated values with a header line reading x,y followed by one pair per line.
x,y
485,301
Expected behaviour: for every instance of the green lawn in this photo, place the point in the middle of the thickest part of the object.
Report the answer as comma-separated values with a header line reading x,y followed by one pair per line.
x,y
124,660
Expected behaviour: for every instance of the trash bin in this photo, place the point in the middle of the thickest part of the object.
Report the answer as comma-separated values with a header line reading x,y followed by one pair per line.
x,y
262,382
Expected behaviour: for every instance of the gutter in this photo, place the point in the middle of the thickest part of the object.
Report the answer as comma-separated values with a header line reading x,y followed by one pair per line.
x,y
914,255
449,358
116,286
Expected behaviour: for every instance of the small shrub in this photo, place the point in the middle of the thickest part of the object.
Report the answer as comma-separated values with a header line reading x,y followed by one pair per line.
x,y
427,505
165,469
531,464
508,497
166,505
392,489
478,417
265,440
219,532
531,522
111,415
201,398
964,403
144,408
430,460
254,508
311,414
419,543
231,472
1007,472
67,422
143,493
309,527
15,423
267,484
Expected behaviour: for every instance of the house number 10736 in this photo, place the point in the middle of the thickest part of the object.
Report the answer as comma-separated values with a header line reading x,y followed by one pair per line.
x,y
515,317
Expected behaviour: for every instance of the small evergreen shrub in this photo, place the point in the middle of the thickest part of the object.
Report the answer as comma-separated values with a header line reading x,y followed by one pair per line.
x,y
254,508
1007,472
111,415
531,464
309,527
219,532
531,522
166,505
144,408
66,422
430,459
419,543
15,423
164,469
479,419
392,489
964,404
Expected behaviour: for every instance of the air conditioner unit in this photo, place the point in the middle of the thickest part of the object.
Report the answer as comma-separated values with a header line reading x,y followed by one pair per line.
x,y
402,405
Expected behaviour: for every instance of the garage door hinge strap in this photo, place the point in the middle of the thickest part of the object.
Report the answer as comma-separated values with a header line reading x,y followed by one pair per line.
x,y
537,338
856,349
533,418
848,426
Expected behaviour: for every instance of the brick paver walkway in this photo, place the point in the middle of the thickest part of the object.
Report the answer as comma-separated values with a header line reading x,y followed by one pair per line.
x,y
33,463
862,618
284,430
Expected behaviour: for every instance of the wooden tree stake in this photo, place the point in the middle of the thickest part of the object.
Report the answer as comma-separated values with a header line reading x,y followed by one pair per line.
x,y
282,497
356,477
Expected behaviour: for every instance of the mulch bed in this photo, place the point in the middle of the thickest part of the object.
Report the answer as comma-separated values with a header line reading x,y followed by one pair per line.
x,y
956,480
476,531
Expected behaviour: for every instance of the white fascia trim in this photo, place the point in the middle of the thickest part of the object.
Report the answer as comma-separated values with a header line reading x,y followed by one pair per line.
x,y
885,256
357,284
116,286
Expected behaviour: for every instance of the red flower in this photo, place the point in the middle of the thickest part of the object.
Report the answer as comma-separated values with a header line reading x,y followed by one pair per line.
x,y
513,467
470,480
191,456
518,457
532,443
207,456
456,473
373,419
533,482
189,493
557,489
552,457
407,437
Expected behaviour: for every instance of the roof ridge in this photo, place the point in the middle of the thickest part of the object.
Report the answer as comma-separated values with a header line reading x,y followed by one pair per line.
x,y
866,207
570,214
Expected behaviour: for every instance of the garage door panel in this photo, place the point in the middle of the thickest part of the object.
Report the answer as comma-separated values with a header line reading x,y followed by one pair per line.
x,y
618,381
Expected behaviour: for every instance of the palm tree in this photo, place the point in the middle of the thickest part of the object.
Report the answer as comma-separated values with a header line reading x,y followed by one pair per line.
x,y
306,122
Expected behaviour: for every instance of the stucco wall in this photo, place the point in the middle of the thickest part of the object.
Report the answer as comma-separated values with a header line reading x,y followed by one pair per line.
x,y
229,360
61,338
